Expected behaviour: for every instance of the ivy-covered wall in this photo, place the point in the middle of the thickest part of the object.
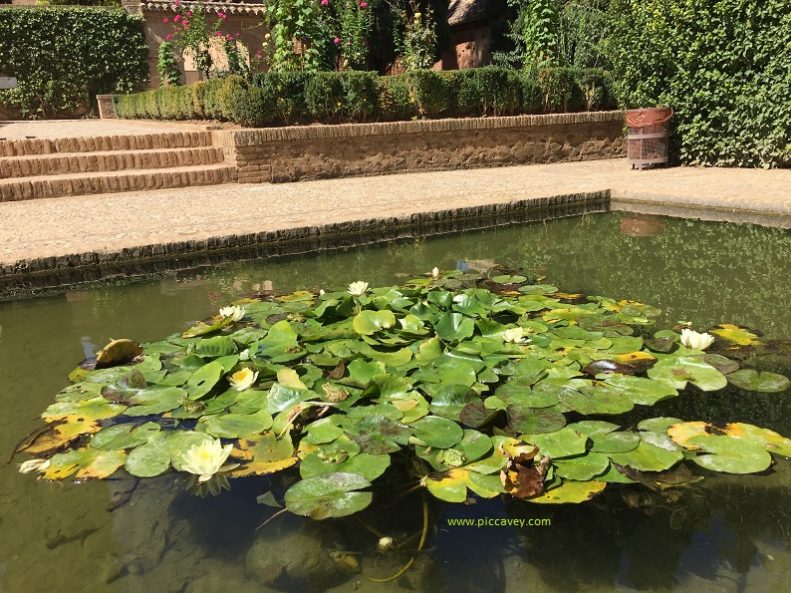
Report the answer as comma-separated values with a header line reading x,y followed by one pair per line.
x,y
63,56
724,66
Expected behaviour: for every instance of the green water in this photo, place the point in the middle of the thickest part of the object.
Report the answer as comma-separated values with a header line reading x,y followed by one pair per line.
x,y
726,535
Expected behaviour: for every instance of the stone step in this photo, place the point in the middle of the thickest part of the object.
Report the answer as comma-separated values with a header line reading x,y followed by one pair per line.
x,y
166,140
116,160
54,186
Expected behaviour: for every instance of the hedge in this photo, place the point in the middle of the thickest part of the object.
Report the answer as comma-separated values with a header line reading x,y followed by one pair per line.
x,y
63,56
332,97
724,67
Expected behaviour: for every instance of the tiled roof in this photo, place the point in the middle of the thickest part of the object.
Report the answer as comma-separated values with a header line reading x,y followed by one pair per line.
x,y
227,7
466,11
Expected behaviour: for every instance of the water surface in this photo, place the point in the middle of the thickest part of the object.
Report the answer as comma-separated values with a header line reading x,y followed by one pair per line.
x,y
729,534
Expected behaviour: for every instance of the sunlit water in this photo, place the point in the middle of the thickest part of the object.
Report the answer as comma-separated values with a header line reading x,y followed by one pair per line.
x,y
728,534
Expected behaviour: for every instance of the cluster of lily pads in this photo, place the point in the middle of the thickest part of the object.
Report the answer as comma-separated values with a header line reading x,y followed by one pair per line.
x,y
490,383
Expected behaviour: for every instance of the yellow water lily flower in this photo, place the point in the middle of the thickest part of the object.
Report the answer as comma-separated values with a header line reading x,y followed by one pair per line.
x,y
358,288
234,313
243,379
206,458
696,341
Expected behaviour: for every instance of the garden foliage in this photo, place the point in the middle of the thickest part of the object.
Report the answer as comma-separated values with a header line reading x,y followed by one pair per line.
x,y
62,57
284,97
725,67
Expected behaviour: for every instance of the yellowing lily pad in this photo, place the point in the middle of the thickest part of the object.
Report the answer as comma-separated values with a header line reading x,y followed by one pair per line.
x,y
265,455
570,492
735,334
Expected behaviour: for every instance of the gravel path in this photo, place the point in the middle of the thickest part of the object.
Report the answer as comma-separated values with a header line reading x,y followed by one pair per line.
x,y
58,226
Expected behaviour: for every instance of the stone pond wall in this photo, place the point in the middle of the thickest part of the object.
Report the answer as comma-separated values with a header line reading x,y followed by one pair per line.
x,y
314,152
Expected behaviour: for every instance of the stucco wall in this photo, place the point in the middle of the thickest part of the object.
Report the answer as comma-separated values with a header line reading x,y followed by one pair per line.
x,y
250,26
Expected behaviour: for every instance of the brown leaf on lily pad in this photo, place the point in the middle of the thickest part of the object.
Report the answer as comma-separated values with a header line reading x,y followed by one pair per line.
x,y
338,371
522,477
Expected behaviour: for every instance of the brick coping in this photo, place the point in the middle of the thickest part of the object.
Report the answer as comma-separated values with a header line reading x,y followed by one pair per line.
x,y
27,277
253,136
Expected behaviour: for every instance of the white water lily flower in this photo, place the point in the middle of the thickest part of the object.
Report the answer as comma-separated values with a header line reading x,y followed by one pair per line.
x,y
358,288
32,465
692,339
514,335
244,354
322,292
206,458
234,313
243,379
435,272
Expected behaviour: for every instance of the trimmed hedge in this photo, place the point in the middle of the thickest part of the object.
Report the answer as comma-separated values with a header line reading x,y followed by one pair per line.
x,y
724,67
333,97
62,57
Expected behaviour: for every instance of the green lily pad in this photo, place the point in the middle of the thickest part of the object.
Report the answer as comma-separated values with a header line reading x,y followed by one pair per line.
x,y
676,372
214,347
583,468
123,436
232,426
437,432
722,453
649,457
453,327
764,381
535,420
565,442
368,466
150,459
329,495
155,400
369,322
204,379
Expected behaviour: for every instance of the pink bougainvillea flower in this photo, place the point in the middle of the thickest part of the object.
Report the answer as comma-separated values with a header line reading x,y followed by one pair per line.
x,y
169,36
185,23
218,33
325,2
363,5
337,40
238,35
177,18
166,20
177,3
189,13
229,37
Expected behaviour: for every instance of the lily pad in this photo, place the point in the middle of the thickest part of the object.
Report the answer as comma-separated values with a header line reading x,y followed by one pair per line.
x,y
676,372
330,495
437,432
369,322
571,492
565,442
764,381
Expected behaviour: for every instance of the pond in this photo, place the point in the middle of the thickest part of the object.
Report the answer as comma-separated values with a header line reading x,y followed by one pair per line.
x,y
728,533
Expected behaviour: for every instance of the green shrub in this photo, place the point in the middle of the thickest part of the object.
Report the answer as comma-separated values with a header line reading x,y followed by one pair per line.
x,y
64,56
251,106
394,101
486,91
324,96
359,95
431,93
724,68
532,97
276,98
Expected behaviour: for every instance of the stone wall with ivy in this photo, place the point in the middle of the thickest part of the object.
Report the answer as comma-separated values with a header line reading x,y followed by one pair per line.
x,y
63,56
725,67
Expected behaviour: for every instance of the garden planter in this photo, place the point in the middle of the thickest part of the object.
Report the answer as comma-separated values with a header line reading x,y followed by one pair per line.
x,y
647,139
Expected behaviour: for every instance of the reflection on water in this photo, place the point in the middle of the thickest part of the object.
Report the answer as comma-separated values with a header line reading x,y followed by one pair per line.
x,y
725,534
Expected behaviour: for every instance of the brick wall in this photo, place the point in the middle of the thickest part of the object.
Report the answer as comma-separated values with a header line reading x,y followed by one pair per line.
x,y
314,152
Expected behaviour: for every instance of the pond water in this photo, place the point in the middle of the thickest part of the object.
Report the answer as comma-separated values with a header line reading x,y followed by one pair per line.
x,y
725,534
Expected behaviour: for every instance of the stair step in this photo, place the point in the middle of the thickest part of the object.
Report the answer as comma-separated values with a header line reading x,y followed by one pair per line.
x,y
84,162
166,140
54,186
